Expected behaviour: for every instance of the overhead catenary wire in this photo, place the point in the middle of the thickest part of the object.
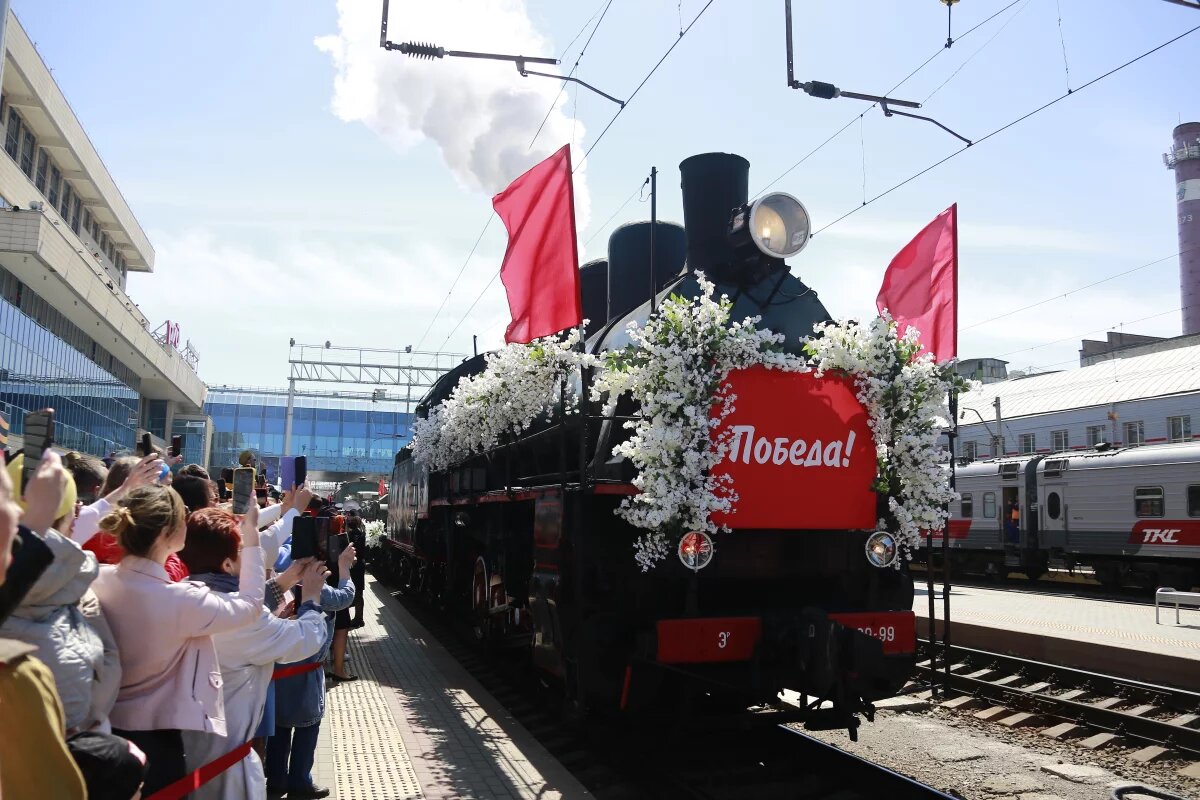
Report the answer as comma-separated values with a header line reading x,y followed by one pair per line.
x,y
570,74
1089,333
1063,41
645,80
596,143
461,269
620,208
979,50
1070,292
858,116
1006,126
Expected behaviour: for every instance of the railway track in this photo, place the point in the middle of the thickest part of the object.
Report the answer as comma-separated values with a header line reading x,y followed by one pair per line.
x,y
1072,703
710,755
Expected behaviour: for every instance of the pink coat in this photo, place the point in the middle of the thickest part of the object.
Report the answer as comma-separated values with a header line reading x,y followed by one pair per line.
x,y
170,677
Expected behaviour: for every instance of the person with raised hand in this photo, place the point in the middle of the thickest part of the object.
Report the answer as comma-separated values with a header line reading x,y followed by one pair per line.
x,y
128,474
171,679
300,704
34,761
125,475
247,655
59,614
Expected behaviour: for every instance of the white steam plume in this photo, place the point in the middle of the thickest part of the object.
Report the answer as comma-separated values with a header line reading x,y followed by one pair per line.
x,y
481,114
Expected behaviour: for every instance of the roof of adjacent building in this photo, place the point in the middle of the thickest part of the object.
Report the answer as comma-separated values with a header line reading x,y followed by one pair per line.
x,y
1175,371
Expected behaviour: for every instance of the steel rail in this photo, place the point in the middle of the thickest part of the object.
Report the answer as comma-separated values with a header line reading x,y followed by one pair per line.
x,y
967,677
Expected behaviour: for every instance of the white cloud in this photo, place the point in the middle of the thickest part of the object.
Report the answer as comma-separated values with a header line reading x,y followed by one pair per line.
x,y
253,301
481,114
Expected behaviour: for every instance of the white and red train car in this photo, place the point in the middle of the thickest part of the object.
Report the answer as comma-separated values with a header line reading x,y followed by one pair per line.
x,y
1131,514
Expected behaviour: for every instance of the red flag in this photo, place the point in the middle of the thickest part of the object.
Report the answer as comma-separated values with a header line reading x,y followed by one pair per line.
x,y
541,265
382,488
920,287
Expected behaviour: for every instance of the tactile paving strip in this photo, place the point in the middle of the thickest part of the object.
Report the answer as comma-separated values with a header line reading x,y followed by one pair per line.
x,y
369,757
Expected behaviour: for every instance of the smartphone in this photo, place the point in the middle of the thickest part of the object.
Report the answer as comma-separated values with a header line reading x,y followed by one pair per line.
x,y
287,473
243,489
30,558
304,537
301,471
176,446
337,543
147,446
39,436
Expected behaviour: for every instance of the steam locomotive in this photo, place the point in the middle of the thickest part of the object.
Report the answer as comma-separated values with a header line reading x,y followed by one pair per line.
x,y
1127,513
523,541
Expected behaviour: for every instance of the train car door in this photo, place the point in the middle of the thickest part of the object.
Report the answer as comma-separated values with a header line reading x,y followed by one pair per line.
x,y
1010,516
1054,514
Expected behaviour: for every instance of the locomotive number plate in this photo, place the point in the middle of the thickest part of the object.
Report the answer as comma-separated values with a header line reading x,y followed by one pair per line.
x,y
896,629
702,641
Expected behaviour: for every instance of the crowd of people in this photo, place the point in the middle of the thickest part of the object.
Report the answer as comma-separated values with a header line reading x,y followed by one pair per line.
x,y
155,644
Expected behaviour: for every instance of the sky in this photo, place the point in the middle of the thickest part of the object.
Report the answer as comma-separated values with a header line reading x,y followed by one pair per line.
x,y
297,181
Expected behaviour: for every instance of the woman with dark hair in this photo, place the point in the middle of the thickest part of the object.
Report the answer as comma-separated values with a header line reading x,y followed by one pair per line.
x,y
170,678
197,493
247,655
357,531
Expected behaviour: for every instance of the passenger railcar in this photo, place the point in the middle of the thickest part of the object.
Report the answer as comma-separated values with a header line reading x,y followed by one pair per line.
x,y
524,542
1130,514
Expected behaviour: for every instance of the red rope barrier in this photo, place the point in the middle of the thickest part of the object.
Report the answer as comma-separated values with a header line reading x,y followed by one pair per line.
x,y
197,778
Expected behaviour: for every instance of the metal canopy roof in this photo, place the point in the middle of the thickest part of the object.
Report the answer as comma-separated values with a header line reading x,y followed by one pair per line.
x,y
1118,380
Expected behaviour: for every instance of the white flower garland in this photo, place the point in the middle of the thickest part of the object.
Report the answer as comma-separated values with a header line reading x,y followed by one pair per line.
x,y
675,370
375,530
520,383
905,396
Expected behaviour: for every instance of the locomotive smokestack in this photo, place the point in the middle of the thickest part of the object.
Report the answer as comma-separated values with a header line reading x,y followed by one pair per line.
x,y
1184,159
713,185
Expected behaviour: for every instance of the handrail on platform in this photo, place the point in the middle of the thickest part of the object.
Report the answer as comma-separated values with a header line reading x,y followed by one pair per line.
x,y
1168,594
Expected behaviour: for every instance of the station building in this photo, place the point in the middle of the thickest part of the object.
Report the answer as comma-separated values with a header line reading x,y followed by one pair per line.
x,y
343,435
1129,395
70,337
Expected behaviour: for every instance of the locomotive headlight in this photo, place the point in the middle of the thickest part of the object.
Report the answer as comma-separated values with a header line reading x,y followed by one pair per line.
x,y
882,549
777,225
696,550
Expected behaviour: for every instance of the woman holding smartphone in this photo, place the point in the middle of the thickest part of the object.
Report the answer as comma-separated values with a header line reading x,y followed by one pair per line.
x,y
171,680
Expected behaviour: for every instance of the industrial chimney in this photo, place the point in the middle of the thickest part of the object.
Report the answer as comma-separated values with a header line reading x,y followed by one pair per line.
x,y
1184,159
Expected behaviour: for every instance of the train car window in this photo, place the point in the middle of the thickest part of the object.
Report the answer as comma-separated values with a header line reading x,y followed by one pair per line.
x,y
967,509
1010,472
989,505
1148,501
1053,505
1193,498
1055,467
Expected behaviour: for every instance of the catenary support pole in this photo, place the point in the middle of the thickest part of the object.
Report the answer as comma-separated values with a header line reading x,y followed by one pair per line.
x,y
287,423
653,225
953,435
933,684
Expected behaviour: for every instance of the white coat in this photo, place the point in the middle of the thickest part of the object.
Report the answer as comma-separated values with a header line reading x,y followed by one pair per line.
x,y
247,657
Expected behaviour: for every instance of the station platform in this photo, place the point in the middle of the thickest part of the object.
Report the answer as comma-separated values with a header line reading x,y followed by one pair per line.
x,y
415,725
1107,636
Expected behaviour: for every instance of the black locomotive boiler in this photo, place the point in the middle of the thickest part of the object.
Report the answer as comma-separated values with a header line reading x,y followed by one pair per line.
x,y
523,541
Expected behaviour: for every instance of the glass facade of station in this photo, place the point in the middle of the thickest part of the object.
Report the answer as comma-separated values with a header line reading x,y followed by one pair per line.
x,y
46,361
337,434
